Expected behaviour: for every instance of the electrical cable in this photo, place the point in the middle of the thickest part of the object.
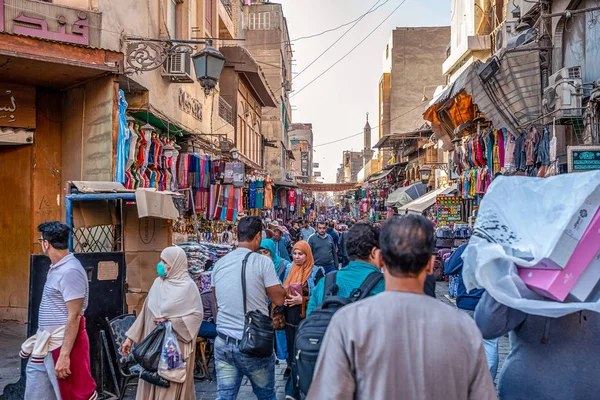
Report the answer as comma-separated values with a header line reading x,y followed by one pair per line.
x,y
351,50
377,126
338,39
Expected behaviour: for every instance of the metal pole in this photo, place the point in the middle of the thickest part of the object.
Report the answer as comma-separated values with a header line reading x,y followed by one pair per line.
x,y
208,42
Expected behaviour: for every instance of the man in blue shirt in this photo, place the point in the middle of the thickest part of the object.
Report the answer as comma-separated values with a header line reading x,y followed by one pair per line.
x,y
363,246
281,244
467,301
334,235
307,231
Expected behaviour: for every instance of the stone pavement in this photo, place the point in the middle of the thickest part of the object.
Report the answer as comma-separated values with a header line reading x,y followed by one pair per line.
x,y
207,390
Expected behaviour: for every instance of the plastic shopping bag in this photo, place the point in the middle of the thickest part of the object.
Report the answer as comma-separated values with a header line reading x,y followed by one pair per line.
x,y
519,222
171,366
170,357
148,352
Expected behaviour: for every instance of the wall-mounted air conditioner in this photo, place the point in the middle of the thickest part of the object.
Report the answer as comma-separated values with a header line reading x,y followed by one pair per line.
x,y
564,94
178,67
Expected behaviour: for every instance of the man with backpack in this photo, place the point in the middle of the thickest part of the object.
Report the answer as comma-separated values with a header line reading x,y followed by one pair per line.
x,y
362,244
359,279
387,346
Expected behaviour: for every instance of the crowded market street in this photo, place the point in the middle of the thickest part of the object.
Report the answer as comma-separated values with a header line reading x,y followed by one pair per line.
x,y
300,199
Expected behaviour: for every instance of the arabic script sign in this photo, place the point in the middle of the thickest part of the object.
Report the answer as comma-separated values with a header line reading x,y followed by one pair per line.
x,y
50,21
17,106
583,158
190,105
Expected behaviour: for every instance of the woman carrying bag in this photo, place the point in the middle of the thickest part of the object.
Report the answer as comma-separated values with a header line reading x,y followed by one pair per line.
x,y
174,297
300,278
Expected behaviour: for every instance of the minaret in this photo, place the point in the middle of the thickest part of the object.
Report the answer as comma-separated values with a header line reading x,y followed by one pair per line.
x,y
367,150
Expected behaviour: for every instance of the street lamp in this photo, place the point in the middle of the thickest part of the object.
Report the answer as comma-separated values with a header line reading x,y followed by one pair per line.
x,y
208,63
425,174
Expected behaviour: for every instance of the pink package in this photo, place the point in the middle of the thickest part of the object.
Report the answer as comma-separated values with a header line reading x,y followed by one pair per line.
x,y
556,284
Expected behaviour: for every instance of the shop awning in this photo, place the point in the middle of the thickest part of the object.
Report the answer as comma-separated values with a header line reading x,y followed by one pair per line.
x,y
405,195
388,141
421,204
243,63
379,175
510,97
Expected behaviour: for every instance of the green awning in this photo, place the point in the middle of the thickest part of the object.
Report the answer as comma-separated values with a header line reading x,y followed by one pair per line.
x,y
159,123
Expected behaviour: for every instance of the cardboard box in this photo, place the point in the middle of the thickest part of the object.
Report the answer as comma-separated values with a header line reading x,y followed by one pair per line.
x,y
151,203
582,291
145,234
556,284
570,237
141,270
135,302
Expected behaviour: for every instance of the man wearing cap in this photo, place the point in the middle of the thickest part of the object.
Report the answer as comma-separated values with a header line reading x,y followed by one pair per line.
x,y
281,241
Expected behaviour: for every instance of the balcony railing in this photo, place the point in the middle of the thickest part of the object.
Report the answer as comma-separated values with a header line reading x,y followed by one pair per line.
x,y
225,111
228,7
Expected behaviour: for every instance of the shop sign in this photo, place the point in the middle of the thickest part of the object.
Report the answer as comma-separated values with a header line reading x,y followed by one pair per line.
x,y
190,105
583,158
17,106
316,165
48,21
317,174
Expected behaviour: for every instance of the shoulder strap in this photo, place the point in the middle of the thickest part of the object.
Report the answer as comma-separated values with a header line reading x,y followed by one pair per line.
x,y
372,280
244,279
282,269
330,288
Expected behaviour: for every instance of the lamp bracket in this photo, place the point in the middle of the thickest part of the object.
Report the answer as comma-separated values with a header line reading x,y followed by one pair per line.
x,y
147,54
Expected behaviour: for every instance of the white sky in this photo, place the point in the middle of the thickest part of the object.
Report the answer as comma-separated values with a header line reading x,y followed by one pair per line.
x,y
337,102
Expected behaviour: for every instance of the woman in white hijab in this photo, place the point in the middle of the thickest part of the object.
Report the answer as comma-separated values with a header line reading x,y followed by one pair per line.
x,y
174,297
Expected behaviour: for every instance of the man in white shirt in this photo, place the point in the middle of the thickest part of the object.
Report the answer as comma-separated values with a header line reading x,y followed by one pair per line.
x,y
59,353
262,284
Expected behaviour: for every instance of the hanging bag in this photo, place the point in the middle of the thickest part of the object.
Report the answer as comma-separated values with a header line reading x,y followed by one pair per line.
x,y
257,338
147,353
171,365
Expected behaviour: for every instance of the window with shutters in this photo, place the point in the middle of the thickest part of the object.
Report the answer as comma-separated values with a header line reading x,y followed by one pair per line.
x,y
209,6
259,21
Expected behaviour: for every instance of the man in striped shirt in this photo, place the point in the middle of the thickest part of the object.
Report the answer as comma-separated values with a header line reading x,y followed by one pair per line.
x,y
59,353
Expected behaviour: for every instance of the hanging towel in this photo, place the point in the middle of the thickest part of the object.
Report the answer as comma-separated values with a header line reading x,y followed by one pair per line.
x,y
231,204
238,174
228,176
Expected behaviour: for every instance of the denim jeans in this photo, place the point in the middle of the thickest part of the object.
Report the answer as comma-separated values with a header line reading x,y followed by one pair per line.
x,y
490,346
491,354
329,268
231,365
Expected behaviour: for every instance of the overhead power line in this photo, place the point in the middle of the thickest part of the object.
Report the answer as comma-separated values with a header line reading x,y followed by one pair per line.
x,y
340,38
377,126
351,50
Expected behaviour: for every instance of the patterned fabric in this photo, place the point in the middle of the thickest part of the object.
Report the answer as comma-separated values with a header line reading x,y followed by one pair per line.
x,y
118,328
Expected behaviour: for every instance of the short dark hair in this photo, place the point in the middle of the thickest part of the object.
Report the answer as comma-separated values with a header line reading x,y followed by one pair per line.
x,y
56,233
229,227
332,224
322,223
361,240
407,244
248,228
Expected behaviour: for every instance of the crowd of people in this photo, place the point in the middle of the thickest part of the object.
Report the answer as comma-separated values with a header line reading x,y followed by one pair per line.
x,y
397,343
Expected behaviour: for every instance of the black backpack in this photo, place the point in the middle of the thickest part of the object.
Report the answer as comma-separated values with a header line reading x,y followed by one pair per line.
x,y
312,329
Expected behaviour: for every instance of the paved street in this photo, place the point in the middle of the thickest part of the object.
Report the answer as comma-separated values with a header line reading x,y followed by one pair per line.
x,y
207,390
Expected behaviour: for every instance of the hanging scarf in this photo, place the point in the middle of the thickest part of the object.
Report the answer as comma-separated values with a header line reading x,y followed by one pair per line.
x,y
301,273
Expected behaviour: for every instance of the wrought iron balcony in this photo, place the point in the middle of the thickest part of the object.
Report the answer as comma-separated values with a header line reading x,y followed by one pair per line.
x,y
225,111
228,7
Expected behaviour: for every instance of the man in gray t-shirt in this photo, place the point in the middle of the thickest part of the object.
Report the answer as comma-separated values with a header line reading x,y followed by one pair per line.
x,y
262,284
397,355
